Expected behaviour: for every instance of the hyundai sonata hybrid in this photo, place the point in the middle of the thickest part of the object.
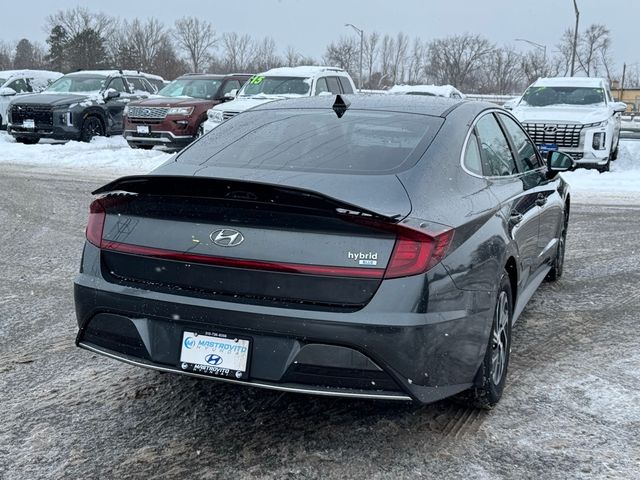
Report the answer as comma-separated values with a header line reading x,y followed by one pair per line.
x,y
377,247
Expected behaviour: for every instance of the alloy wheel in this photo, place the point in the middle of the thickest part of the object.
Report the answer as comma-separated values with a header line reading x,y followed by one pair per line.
x,y
500,339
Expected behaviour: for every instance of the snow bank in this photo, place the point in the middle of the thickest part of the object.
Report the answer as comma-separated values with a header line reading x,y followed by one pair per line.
x,y
102,155
620,185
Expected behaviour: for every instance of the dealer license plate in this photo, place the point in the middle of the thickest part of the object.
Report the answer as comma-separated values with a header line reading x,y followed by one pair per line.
x,y
143,129
29,123
215,354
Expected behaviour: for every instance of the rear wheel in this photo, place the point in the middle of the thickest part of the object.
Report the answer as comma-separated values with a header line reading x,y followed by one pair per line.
x,y
27,140
491,376
558,262
91,127
614,152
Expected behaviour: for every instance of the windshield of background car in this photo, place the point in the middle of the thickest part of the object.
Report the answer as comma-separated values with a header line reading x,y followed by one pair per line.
x,y
188,87
544,96
276,86
364,142
77,83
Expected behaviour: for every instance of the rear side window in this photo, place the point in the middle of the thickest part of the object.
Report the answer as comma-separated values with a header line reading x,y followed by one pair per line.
x,y
472,158
334,86
139,85
526,151
321,86
118,85
363,142
20,85
494,148
346,85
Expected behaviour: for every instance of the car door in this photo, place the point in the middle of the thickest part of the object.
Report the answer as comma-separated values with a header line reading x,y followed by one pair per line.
x,y
534,173
517,200
115,106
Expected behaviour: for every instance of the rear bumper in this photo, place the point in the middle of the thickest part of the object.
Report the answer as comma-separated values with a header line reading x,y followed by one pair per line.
x,y
383,351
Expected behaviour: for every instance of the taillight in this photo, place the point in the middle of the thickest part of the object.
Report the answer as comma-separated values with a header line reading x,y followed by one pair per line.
x,y
95,225
98,214
416,252
417,249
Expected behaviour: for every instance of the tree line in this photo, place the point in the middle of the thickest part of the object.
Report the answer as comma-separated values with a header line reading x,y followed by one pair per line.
x,y
80,39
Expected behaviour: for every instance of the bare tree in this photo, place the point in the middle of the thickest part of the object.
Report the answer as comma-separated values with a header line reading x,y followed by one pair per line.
x,y
236,51
386,60
77,20
371,54
196,37
343,53
291,57
399,57
6,54
594,39
416,61
565,48
501,72
454,59
265,56
535,65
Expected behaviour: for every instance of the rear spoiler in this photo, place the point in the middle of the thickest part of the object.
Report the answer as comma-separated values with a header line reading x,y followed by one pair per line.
x,y
236,190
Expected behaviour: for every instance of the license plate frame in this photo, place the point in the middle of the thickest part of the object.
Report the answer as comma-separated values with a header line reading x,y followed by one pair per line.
x,y
215,354
30,124
143,129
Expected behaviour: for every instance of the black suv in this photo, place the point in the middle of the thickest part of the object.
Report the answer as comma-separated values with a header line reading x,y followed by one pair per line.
x,y
78,106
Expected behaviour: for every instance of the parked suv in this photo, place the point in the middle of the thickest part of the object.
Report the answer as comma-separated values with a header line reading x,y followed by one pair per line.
x,y
574,115
280,83
175,118
21,82
77,106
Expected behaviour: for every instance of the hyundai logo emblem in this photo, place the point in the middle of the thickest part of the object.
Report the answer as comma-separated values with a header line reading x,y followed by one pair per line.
x,y
213,359
550,129
226,237
146,111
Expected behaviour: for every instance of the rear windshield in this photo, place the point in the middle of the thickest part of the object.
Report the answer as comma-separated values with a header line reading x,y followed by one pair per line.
x,y
316,140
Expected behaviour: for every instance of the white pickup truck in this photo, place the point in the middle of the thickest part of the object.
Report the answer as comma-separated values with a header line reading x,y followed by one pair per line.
x,y
574,115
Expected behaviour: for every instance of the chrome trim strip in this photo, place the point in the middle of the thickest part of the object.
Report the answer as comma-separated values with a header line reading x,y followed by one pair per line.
x,y
328,393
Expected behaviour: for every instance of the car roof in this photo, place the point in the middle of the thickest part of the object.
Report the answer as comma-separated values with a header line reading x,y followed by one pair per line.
x,y
570,82
303,71
425,105
25,72
110,73
214,75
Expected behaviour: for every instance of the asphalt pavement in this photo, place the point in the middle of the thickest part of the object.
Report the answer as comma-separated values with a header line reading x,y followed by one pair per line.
x,y
571,408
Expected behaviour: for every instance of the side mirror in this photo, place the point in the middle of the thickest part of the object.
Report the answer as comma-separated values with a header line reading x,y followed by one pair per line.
x,y
560,162
111,93
231,95
619,107
7,92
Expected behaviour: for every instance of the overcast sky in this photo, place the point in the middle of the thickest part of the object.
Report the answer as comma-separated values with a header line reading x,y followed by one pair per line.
x,y
310,25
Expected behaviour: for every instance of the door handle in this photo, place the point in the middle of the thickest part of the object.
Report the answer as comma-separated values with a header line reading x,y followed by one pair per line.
x,y
541,200
515,218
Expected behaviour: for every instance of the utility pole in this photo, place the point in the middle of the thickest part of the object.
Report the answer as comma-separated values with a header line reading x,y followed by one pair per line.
x,y
624,71
361,32
575,39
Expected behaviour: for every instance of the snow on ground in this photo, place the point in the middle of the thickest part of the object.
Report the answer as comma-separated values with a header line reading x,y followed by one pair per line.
x,y
112,156
102,155
620,185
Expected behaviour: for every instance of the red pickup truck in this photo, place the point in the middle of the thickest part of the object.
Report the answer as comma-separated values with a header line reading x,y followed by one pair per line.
x,y
174,116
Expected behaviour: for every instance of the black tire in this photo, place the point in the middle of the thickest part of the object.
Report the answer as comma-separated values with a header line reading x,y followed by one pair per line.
x,y
557,268
141,146
91,127
200,131
606,167
492,374
27,140
614,153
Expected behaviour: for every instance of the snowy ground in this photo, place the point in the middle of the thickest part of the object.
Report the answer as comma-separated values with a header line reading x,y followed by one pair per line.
x,y
571,408
113,157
